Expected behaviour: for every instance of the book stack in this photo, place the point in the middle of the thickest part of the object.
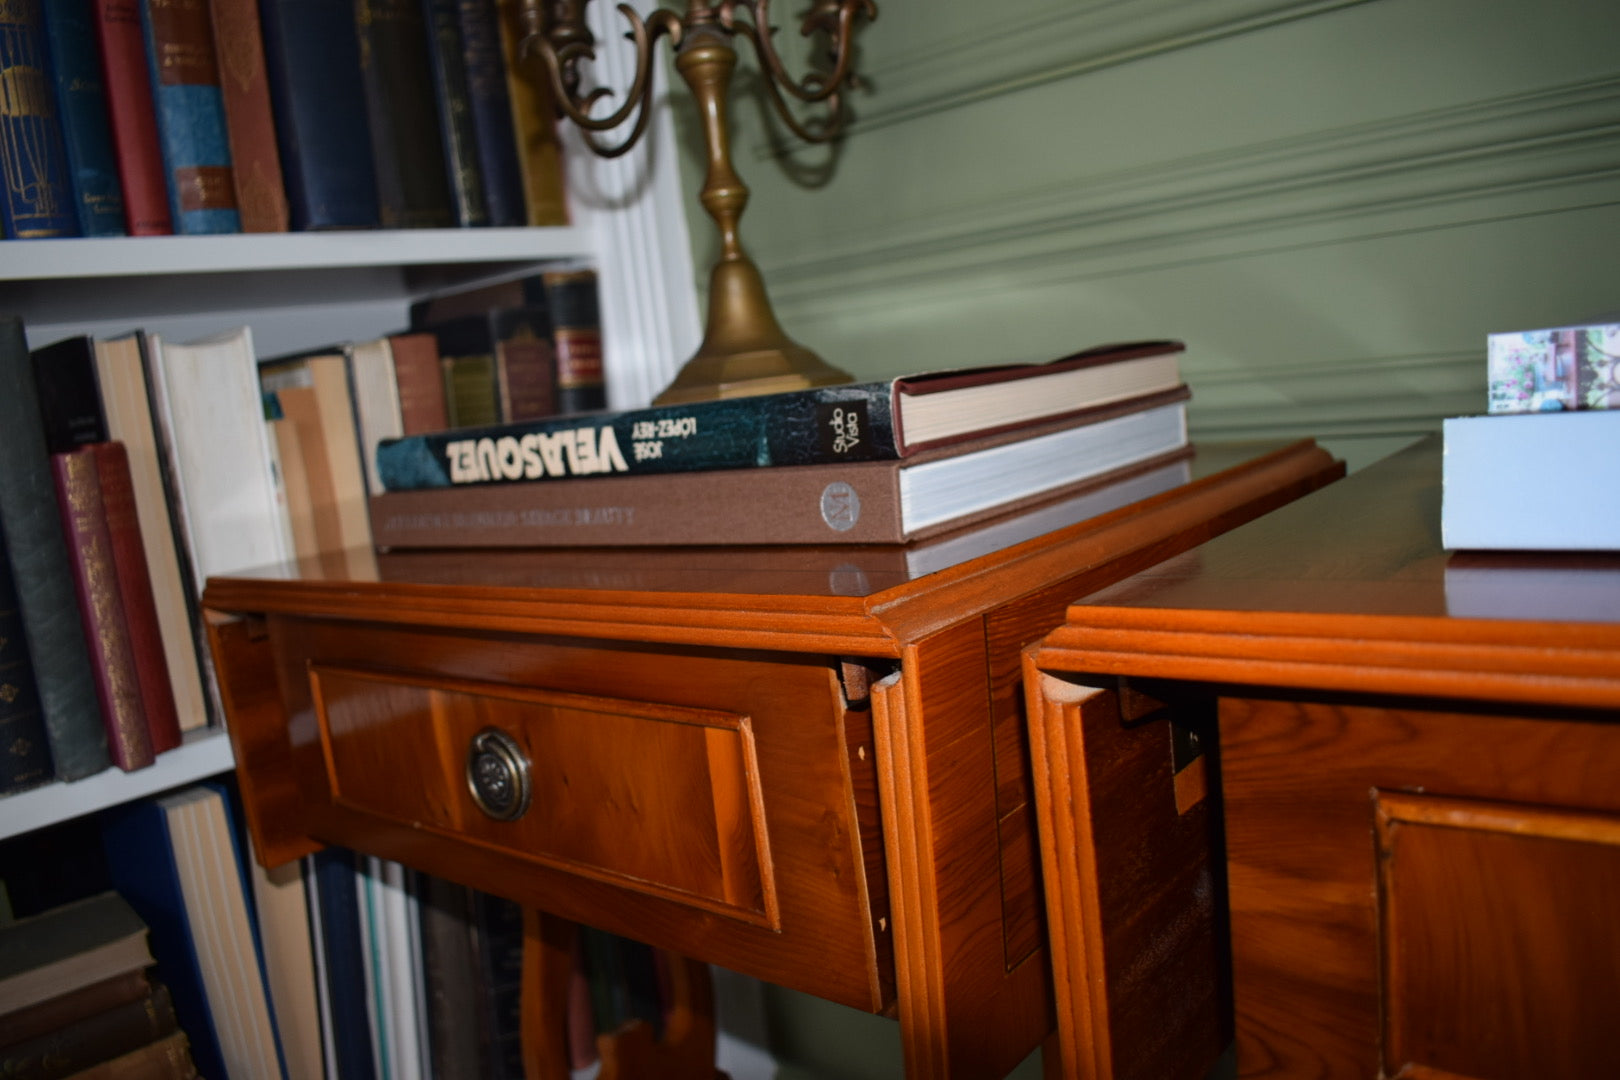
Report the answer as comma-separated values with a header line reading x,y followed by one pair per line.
x,y
79,998
888,462
1532,473
151,117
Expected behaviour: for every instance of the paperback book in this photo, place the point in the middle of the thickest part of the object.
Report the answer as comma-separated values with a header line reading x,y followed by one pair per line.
x,y
872,421
1555,370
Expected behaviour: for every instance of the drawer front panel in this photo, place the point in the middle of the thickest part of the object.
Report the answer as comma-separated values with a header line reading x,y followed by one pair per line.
x,y
659,799
716,802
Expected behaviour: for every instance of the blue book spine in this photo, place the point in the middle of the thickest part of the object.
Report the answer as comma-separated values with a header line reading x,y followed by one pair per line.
x,y
141,863
190,116
312,56
491,106
851,422
343,951
38,199
81,99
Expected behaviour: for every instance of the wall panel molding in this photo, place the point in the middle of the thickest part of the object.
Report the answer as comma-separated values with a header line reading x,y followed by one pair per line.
x,y
1537,152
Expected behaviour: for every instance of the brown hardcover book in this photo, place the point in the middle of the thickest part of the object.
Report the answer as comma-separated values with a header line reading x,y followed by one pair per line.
x,y
533,122
68,948
314,393
64,1009
101,607
91,1039
420,381
135,590
868,502
133,116
169,1058
261,196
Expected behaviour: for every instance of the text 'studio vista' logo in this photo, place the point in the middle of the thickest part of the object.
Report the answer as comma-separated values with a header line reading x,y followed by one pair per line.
x,y
840,506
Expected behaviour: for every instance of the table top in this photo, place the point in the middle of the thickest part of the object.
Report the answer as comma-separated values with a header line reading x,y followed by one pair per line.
x,y
1350,589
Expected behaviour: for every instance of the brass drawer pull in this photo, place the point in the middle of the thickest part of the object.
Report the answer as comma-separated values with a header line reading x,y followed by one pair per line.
x,y
498,775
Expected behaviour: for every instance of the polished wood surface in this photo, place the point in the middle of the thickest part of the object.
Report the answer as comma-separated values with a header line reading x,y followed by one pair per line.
x,y
859,728
1419,769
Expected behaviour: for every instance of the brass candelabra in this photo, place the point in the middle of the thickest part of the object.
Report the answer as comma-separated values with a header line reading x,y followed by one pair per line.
x,y
744,349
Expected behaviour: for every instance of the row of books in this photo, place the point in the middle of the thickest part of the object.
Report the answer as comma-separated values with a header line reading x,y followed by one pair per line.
x,y
135,467
189,959
152,117
1534,472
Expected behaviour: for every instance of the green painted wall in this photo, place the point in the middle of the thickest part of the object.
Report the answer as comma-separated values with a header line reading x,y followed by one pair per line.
x,y
1331,201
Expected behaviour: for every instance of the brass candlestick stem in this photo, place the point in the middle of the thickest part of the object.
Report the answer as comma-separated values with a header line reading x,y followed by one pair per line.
x,y
744,349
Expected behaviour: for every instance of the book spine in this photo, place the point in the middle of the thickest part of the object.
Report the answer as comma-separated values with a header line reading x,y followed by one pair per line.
x,y
576,330
133,117
500,936
534,126
819,505
69,397
40,570
312,57
168,1058
135,590
343,955
38,199
457,133
261,197
450,972
92,1039
190,116
64,1009
98,197
525,363
26,762
421,383
821,426
95,578
413,191
471,393
491,109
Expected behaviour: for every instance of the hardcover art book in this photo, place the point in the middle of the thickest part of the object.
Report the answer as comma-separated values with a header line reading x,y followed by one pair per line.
x,y
873,421
1569,367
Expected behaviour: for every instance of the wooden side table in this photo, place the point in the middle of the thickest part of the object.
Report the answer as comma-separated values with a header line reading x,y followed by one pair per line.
x,y
803,764
1417,768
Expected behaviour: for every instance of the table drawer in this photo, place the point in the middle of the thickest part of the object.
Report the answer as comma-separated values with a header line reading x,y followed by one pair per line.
x,y
720,803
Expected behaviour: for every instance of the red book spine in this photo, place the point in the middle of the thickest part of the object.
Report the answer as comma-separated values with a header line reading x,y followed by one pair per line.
x,y
95,581
261,197
135,590
133,115
420,379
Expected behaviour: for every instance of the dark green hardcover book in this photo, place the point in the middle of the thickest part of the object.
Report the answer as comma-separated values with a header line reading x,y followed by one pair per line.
x,y
39,564
38,198
447,56
413,189
25,752
871,421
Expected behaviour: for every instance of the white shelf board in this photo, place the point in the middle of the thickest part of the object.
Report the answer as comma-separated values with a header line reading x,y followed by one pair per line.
x,y
205,754
127,256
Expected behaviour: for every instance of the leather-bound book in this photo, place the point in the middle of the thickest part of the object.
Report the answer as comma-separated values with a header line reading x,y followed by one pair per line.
x,y
491,106
39,565
413,191
81,100
69,395
95,580
190,116
133,117
66,1008
261,197
168,1058
312,57
37,201
26,761
447,57
576,330
93,1039
420,381
135,590
534,124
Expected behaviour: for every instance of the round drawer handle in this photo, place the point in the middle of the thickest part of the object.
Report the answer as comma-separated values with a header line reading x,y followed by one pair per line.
x,y
498,775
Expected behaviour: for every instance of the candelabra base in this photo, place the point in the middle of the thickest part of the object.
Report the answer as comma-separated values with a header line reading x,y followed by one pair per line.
x,y
708,377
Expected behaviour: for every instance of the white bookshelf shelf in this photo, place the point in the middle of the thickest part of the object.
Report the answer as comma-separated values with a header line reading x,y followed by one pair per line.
x,y
40,260
204,754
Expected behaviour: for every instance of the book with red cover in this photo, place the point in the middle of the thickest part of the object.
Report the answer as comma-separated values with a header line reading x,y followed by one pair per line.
x,y
261,197
135,590
861,502
420,380
133,115
101,607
